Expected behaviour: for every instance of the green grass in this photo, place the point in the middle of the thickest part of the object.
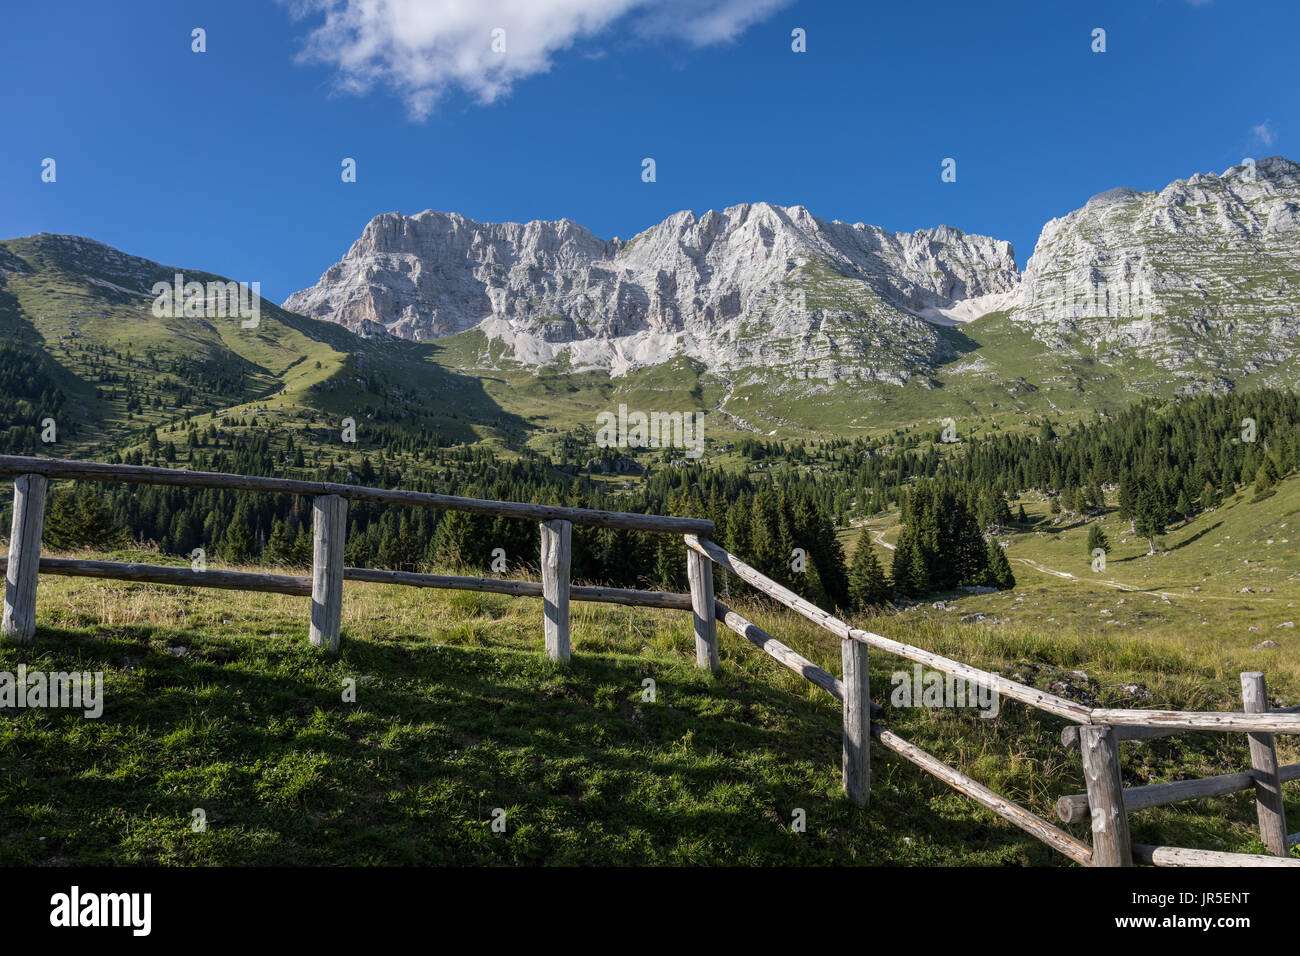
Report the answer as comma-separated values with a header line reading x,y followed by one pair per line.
x,y
458,713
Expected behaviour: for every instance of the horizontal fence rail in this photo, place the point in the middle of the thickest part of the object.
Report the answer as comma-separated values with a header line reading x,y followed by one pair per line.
x,y
1185,856
12,465
301,586
1074,808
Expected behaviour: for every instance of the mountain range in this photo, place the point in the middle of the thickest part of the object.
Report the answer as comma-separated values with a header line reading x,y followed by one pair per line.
x,y
778,321
1202,276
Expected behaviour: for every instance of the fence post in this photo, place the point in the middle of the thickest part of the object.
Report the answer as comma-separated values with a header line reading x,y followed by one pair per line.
x,y
329,523
1263,758
699,571
856,764
557,558
19,623
1112,844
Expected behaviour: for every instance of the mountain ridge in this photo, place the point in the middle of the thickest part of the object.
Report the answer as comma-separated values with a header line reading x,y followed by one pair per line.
x,y
810,291
758,283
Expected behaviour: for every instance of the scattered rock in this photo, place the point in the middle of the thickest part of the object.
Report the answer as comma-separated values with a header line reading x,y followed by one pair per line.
x,y
1265,645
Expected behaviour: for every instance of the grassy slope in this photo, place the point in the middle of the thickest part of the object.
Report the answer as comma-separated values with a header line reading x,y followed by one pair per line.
x,y
458,713
1189,593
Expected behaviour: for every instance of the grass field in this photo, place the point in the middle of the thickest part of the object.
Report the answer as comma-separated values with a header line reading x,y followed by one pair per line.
x,y
458,714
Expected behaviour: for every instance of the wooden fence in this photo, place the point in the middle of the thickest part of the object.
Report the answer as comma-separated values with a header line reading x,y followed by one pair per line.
x,y
1096,732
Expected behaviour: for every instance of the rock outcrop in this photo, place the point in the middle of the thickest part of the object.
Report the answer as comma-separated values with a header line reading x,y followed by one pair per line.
x,y
1201,277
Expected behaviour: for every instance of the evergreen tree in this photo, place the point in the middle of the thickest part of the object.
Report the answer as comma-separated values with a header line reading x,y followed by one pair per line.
x,y
1208,497
1149,514
279,547
998,573
1097,539
81,519
1127,503
1267,476
456,542
905,562
237,542
868,587
1096,499
918,575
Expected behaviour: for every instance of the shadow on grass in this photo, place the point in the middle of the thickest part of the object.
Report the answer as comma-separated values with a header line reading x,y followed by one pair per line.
x,y
254,732
1196,537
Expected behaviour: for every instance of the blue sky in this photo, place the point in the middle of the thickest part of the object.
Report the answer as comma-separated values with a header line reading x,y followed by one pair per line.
x,y
229,160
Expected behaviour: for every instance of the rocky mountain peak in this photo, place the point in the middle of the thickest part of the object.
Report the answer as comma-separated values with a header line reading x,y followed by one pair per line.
x,y
752,282
1201,276
1205,265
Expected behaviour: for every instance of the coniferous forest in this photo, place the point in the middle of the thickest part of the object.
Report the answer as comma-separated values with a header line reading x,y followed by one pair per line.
x,y
1156,463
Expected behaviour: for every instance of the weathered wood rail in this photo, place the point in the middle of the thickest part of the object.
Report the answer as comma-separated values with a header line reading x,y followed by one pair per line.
x,y
329,530
1097,732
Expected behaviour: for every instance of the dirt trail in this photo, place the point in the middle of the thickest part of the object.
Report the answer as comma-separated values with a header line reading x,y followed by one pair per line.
x,y
1120,586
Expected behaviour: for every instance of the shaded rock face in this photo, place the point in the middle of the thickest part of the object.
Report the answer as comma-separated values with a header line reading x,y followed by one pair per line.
x,y
1204,274
753,285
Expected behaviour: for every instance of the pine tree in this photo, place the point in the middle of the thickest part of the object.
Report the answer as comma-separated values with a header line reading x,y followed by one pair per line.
x,y
237,542
998,574
1266,477
1096,499
1097,539
279,547
918,575
454,543
867,584
903,562
1208,497
1149,514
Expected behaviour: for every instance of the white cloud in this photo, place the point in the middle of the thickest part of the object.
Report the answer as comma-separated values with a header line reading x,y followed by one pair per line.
x,y
422,49
1264,133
